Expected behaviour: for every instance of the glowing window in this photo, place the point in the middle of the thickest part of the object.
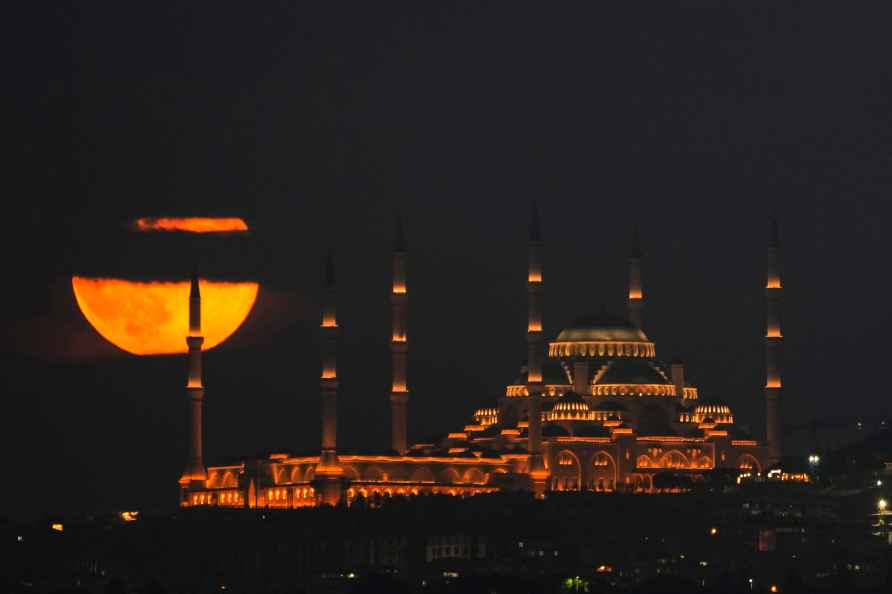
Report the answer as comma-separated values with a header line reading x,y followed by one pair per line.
x,y
566,459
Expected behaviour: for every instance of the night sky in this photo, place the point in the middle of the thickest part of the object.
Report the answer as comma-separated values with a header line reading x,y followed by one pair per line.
x,y
316,124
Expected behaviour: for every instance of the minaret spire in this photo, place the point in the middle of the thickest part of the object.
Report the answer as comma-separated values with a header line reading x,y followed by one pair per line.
x,y
194,305
773,346
636,292
535,286
329,470
535,229
195,470
774,233
399,350
399,244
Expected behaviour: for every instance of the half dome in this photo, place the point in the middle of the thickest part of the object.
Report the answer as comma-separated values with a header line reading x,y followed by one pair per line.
x,y
712,412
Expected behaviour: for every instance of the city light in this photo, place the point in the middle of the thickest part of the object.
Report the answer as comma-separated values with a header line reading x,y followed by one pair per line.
x,y
881,505
129,516
814,459
713,531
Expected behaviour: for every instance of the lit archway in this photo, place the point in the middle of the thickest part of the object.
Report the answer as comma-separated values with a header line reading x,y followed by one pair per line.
x,y
749,462
566,472
474,475
228,481
674,459
449,476
604,474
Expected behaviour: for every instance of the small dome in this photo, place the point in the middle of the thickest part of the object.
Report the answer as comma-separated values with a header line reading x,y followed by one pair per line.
x,y
571,401
712,409
715,412
602,328
486,416
570,407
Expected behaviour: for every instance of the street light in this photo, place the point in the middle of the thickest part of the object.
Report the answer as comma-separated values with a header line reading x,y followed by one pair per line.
x,y
881,505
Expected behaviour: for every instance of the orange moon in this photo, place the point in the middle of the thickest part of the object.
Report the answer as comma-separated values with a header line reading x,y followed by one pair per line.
x,y
152,318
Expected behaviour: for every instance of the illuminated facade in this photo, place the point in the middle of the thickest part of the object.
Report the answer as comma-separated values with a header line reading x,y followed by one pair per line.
x,y
593,409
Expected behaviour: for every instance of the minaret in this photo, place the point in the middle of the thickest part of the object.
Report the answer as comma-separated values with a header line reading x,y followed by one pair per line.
x,y
329,471
773,346
636,293
399,351
535,286
195,470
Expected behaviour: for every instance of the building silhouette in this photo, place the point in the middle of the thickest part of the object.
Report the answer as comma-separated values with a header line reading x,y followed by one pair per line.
x,y
593,409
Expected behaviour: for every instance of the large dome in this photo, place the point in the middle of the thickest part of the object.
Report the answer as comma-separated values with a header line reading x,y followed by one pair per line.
x,y
602,328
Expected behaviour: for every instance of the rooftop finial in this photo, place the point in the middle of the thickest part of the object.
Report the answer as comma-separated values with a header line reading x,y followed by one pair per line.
x,y
535,231
400,237
329,274
636,243
774,232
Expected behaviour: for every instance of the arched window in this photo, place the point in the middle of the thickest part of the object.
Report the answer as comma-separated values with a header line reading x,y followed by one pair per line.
x,y
674,459
423,474
748,462
602,460
567,471
449,476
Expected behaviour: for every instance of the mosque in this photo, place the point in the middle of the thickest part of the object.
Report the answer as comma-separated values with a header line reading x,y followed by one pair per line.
x,y
593,409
